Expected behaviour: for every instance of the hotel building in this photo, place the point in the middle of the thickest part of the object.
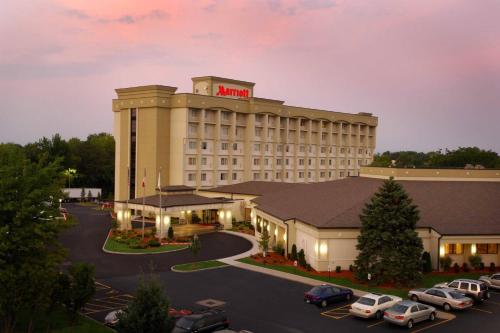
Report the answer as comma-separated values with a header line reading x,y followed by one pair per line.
x,y
220,134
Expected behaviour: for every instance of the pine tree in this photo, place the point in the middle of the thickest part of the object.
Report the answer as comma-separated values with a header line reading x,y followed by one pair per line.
x,y
264,241
389,247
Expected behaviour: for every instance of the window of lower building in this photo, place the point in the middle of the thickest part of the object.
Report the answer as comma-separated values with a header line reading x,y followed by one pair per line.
x,y
223,176
235,176
256,176
453,248
487,248
203,177
301,175
191,177
192,145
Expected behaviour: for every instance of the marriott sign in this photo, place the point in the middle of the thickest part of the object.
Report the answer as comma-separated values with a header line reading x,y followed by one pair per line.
x,y
223,91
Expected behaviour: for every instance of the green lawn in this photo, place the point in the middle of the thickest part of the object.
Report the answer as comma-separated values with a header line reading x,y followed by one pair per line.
x,y
59,323
112,245
428,281
195,266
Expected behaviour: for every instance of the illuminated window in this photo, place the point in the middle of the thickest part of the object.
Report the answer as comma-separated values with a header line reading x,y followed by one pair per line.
x,y
487,248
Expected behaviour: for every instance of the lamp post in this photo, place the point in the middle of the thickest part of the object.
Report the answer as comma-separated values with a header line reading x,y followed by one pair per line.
x,y
60,203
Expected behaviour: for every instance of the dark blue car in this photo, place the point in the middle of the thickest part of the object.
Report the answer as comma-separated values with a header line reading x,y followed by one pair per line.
x,y
326,294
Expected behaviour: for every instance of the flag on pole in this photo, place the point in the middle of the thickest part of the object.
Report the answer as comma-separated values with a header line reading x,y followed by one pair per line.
x,y
159,181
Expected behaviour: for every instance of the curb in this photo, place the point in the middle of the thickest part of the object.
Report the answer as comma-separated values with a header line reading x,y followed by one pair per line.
x,y
198,270
131,253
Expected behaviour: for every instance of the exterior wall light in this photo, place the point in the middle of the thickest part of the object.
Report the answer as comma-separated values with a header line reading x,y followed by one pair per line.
x,y
119,215
442,251
473,249
284,236
323,248
221,214
228,214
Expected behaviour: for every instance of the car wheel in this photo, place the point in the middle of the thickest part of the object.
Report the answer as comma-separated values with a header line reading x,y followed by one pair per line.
x,y
324,303
410,323
432,316
447,307
378,315
414,298
348,297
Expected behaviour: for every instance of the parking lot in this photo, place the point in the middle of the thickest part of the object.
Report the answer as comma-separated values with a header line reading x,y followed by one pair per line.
x,y
105,300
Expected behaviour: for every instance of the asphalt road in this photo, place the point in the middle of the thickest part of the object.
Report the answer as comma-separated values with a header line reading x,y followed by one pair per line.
x,y
253,301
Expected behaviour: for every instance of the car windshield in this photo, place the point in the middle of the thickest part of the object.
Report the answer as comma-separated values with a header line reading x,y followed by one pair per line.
x,y
366,301
398,308
185,323
316,291
456,295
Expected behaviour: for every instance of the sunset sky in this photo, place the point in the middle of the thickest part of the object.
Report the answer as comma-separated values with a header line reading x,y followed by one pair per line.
x,y
429,69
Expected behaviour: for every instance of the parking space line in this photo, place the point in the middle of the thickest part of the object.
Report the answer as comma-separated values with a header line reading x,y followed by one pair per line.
x,y
377,323
432,325
102,285
97,311
337,313
485,311
97,305
114,303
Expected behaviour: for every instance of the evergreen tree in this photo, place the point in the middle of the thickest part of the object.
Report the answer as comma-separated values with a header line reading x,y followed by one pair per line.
x,y
264,241
147,312
82,195
389,247
89,196
195,245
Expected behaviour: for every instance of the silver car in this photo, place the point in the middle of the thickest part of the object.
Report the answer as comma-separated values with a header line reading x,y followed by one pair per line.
x,y
445,297
407,313
373,305
492,281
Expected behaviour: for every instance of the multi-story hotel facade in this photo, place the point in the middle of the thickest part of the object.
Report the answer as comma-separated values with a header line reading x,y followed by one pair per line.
x,y
220,134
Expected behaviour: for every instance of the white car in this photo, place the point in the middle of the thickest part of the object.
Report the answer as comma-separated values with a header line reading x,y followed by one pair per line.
x,y
112,318
373,305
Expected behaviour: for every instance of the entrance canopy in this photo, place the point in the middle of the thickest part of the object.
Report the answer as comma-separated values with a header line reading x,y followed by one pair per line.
x,y
178,202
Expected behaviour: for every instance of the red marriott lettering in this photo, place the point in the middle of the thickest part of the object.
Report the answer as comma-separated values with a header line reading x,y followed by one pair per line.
x,y
232,92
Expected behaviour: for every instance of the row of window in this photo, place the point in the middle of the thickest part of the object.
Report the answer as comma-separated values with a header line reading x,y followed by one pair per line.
x,y
480,248
279,161
193,145
267,175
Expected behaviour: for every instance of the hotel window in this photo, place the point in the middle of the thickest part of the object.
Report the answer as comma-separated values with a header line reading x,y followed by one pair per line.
x,y
278,161
287,148
223,176
342,162
322,174
279,148
323,150
287,161
203,177
309,174
310,149
235,146
323,136
203,145
302,149
322,162
256,147
193,113
193,129
302,135
309,162
223,161
203,161
342,150
301,174
301,161
348,162
453,248
360,151
191,177
266,161
256,161
235,161
359,162
342,174
348,150
487,248
258,132
278,175
224,131
256,176
192,145
225,116
235,176
330,162
192,161
329,174
224,146
287,175
266,147
303,122
265,176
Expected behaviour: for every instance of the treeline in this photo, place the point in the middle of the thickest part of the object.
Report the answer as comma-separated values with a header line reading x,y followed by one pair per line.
x,y
92,161
463,157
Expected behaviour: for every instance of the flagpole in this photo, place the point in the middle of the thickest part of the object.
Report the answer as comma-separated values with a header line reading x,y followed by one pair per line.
x,y
143,200
161,217
128,197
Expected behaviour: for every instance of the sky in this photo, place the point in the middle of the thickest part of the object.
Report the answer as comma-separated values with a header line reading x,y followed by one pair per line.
x,y
430,70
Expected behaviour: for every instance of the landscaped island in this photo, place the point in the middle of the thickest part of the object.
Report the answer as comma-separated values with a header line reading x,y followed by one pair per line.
x,y
132,242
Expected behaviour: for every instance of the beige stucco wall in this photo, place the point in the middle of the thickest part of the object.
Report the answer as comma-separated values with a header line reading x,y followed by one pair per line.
x,y
430,174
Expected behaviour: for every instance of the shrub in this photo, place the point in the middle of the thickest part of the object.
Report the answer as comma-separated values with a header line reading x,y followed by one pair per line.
x,y
492,267
481,266
114,224
308,267
465,267
445,263
152,232
170,233
136,244
154,242
278,248
338,269
293,255
426,262
301,258
351,268
456,268
475,261
195,218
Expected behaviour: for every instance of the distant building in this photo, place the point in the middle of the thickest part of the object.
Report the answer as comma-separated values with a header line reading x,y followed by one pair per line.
x,y
75,193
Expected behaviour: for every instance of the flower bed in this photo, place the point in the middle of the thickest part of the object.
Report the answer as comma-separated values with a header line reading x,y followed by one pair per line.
x,y
132,242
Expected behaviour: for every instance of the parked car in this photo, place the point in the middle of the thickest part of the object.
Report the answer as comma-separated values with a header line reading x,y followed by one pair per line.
x,y
446,297
492,281
407,313
325,294
477,290
111,318
373,305
176,314
207,321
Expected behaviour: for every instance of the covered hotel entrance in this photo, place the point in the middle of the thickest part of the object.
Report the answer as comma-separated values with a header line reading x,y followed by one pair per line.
x,y
176,206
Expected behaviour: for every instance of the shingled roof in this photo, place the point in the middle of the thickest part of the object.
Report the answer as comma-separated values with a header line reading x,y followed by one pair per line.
x,y
177,200
257,188
449,207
